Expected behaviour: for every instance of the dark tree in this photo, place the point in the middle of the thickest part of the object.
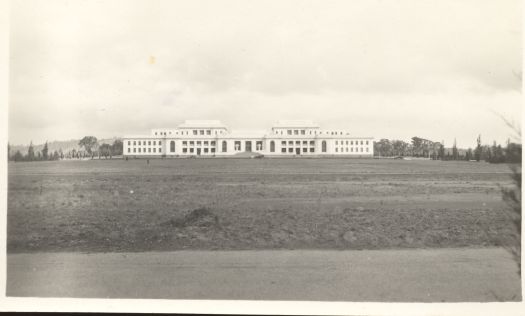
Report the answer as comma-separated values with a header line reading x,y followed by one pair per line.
x,y
45,152
18,156
477,153
30,152
455,154
88,142
117,147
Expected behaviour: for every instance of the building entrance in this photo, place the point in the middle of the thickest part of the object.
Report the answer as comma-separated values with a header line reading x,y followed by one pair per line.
x,y
248,146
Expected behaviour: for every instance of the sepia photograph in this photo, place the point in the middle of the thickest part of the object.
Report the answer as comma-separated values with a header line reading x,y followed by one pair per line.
x,y
281,151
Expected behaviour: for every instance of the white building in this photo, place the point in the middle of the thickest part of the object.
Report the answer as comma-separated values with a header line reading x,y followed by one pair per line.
x,y
212,138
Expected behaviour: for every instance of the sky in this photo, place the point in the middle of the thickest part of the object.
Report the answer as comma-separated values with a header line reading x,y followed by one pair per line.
x,y
440,69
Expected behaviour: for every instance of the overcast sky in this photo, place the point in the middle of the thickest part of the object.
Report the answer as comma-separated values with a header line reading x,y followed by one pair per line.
x,y
437,69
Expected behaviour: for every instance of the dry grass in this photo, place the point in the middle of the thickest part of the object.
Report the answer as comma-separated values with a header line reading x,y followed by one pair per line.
x,y
254,204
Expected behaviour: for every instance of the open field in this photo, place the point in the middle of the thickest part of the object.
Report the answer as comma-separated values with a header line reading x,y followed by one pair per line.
x,y
103,206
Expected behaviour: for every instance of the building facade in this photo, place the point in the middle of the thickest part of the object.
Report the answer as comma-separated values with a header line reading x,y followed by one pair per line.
x,y
213,139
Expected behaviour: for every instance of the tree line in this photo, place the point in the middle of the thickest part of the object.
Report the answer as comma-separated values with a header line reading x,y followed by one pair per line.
x,y
89,147
420,147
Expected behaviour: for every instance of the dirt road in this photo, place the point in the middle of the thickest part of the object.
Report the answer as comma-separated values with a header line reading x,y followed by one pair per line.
x,y
437,275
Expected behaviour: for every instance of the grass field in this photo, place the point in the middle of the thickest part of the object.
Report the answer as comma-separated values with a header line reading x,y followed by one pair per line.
x,y
254,204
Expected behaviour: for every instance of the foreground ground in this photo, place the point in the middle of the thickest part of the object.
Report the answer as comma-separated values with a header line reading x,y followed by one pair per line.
x,y
174,204
438,275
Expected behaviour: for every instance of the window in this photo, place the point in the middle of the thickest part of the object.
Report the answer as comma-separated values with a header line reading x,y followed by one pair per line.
x,y
283,150
192,143
184,150
351,142
172,146
347,142
323,146
155,133
336,149
184,143
305,143
312,149
304,149
361,142
298,142
346,149
303,132
134,143
296,132
198,143
205,143
352,149
160,143
212,143
139,149
289,132
336,143
272,146
367,143
139,142
206,150
149,150
160,150
154,150
237,145
129,150
195,132
129,142
258,145
224,146
290,143
134,150
208,132
283,143
154,143
202,132
290,150
312,143
191,150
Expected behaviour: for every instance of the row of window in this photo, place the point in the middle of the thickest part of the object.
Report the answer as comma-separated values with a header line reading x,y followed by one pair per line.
x,y
194,132
342,142
145,143
198,142
145,150
345,149
310,132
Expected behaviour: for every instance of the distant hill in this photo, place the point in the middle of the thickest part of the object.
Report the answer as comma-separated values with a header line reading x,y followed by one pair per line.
x,y
65,145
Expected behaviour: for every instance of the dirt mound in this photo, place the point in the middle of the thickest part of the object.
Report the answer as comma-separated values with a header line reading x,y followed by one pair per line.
x,y
201,217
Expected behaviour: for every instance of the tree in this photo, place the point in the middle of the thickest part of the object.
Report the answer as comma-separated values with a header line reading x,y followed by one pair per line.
x,y
117,147
455,155
441,154
56,156
18,156
477,152
88,142
105,150
30,152
45,152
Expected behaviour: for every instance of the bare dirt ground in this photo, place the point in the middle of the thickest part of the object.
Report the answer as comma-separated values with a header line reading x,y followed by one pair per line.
x,y
175,204
437,275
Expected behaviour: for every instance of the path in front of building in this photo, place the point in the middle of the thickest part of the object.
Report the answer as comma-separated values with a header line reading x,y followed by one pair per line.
x,y
433,275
